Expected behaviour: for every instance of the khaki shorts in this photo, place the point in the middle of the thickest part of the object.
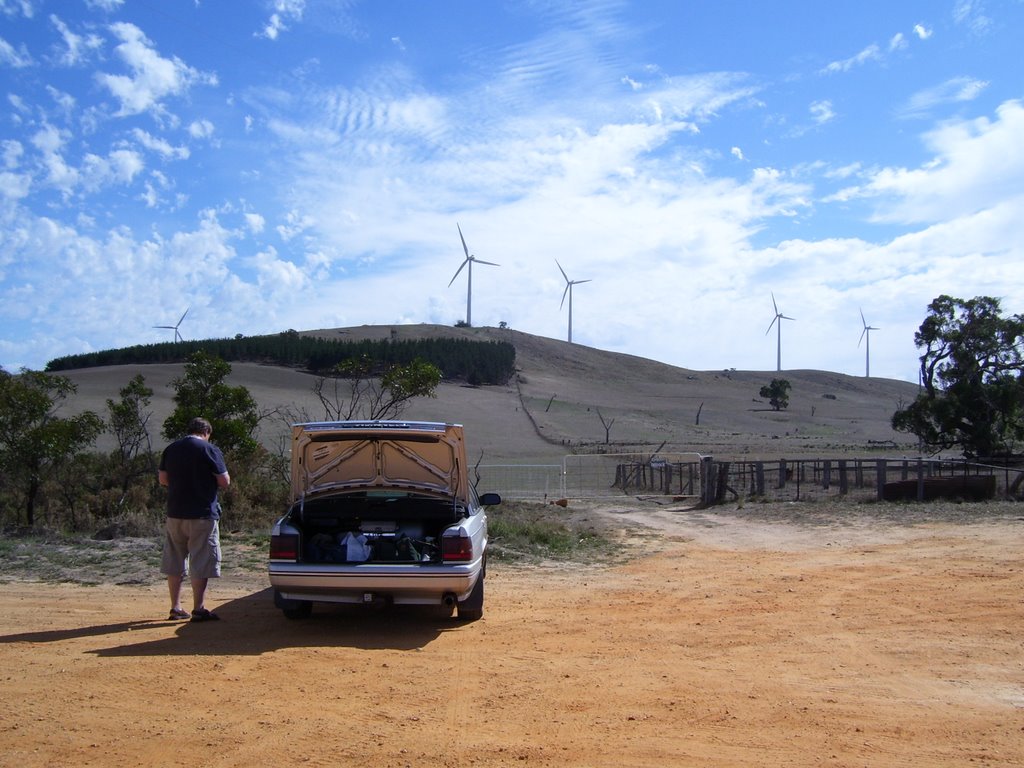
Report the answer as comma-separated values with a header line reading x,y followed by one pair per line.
x,y
191,548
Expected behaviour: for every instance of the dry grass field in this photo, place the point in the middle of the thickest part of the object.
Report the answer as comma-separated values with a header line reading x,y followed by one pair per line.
x,y
744,635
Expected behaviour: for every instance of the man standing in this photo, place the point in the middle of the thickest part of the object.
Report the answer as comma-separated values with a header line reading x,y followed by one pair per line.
x,y
193,470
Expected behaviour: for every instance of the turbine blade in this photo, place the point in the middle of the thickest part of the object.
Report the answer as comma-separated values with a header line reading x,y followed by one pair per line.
x,y
862,334
564,293
481,261
463,241
774,320
562,271
183,315
865,322
464,263
577,282
776,306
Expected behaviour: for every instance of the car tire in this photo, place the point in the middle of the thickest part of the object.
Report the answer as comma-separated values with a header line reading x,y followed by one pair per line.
x,y
301,610
472,608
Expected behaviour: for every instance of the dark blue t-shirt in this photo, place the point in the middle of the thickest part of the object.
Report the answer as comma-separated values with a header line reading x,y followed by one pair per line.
x,y
192,465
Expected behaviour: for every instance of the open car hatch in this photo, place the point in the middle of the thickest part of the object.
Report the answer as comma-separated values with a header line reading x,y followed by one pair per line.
x,y
362,455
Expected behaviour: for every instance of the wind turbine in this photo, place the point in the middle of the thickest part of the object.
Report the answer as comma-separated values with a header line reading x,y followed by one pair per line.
x,y
779,317
177,335
469,277
866,334
568,290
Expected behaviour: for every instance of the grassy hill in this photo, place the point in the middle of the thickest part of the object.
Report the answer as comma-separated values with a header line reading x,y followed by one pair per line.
x,y
562,392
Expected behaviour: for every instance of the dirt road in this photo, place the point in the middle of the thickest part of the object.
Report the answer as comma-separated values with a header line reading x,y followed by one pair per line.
x,y
738,643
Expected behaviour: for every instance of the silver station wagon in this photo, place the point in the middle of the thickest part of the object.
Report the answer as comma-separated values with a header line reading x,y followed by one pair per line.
x,y
380,512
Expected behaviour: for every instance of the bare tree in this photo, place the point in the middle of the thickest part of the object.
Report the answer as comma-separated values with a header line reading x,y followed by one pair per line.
x,y
355,390
606,424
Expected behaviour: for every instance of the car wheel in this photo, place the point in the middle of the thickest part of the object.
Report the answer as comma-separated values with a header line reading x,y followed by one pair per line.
x,y
472,608
299,611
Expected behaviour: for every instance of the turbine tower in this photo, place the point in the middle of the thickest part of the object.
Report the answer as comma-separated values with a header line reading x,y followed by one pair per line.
x,y
865,335
779,317
568,290
469,277
177,335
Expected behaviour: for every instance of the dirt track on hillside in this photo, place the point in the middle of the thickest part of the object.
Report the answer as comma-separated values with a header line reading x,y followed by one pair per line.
x,y
737,643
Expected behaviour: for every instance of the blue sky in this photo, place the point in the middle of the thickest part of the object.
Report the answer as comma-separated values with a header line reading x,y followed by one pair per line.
x,y
299,164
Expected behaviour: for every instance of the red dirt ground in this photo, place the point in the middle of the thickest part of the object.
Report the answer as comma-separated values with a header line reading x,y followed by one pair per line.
x,y
736,643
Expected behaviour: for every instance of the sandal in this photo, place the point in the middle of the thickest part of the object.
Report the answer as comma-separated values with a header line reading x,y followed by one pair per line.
x,y
177,614
204,615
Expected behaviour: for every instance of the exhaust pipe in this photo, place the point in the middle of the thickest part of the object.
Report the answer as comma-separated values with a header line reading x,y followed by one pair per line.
x,y
449,599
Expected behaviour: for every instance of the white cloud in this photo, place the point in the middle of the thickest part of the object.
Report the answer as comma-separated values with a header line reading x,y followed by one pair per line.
x,y
119,167
149,195
161,146
871,53
11,152
295,224
76,47
15,7
897,42
108,6
737,153
922,32
18,58
200,129
278,277
955,90
14,185
285,12
18,104
59,175
65,101
255,222
975,164
153,77
821,112
970,13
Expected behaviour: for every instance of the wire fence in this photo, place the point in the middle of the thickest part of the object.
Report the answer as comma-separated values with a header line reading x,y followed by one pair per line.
x,y
598,476
594,476
521,481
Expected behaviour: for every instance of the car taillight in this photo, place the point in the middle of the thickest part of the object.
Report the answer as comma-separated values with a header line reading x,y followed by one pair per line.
x,y
285,546
456,548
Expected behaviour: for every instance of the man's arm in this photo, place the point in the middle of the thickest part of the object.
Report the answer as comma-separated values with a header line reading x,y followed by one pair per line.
x,y
223,480
164,480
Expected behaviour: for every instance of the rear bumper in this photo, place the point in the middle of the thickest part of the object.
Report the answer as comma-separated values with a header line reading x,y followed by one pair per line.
x,y
409,585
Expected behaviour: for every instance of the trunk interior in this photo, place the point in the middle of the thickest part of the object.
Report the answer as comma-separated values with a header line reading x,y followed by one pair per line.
x,y
364,528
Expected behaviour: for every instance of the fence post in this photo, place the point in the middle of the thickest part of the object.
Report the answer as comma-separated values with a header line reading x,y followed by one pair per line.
x,y
707,484
723,481
843,484
880,470
759,474
782,473
826,474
